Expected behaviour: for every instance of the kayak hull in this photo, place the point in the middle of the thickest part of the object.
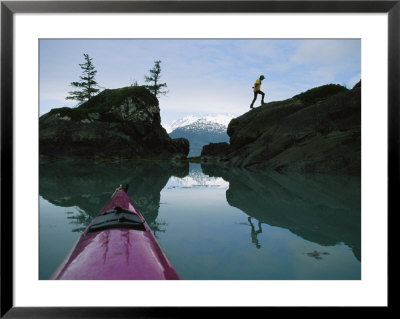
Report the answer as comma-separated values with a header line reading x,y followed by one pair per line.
x,y
117,253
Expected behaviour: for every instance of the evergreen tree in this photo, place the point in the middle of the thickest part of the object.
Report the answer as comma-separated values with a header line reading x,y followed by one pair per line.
x,y
154,78
87,85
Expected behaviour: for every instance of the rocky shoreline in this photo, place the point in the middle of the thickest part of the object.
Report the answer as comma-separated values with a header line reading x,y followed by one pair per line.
x,y
318,131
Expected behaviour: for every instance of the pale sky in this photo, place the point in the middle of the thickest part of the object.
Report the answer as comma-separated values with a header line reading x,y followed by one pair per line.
x,y
204,76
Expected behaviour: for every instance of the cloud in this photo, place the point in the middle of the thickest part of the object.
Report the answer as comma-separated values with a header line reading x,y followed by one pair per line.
x,y
203,76
322,52
353,81
325,51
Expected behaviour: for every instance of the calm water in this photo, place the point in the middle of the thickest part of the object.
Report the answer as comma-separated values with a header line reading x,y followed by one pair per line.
x,y
214,223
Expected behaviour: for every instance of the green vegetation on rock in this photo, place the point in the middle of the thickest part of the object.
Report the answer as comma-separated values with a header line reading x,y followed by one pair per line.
x,y
104,102
156,87
86,87
320,93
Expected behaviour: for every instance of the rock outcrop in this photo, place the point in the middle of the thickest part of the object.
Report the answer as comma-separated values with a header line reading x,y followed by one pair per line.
x,y
215,150
318,131
123,123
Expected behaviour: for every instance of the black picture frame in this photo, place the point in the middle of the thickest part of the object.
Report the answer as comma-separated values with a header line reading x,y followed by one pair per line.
x,y
9,8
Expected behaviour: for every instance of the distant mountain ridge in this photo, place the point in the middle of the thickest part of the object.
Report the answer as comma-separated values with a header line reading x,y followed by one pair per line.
x,y
201,131
222,119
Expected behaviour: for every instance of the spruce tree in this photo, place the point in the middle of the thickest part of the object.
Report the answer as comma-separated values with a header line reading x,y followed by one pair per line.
x,y
87,85
154,78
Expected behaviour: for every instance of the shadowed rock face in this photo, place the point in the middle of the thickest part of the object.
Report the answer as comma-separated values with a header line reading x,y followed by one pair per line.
x,y
325,209
89,186
116,123
318,131
215,149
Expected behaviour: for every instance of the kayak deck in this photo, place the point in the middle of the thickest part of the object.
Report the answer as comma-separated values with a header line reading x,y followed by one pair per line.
x,y
117,245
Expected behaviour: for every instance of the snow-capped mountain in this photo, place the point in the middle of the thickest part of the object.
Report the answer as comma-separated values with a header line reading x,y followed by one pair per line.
x,y
202,130
222,119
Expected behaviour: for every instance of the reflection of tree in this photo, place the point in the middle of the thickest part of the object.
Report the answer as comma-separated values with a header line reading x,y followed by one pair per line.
x,y
158,227
79,219
88,186
320,208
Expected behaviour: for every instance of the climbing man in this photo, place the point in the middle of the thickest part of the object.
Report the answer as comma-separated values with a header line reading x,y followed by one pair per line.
x,y
256,89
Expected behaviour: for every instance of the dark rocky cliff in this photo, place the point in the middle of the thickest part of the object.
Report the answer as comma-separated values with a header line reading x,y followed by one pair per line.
x,y
318,131
122,123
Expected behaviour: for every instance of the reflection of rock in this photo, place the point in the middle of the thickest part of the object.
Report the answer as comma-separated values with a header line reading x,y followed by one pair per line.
x,y
320,208
87,186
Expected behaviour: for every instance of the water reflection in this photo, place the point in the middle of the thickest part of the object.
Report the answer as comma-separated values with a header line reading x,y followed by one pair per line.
x,y
319,208
88,186
254,233
322,209
268,225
